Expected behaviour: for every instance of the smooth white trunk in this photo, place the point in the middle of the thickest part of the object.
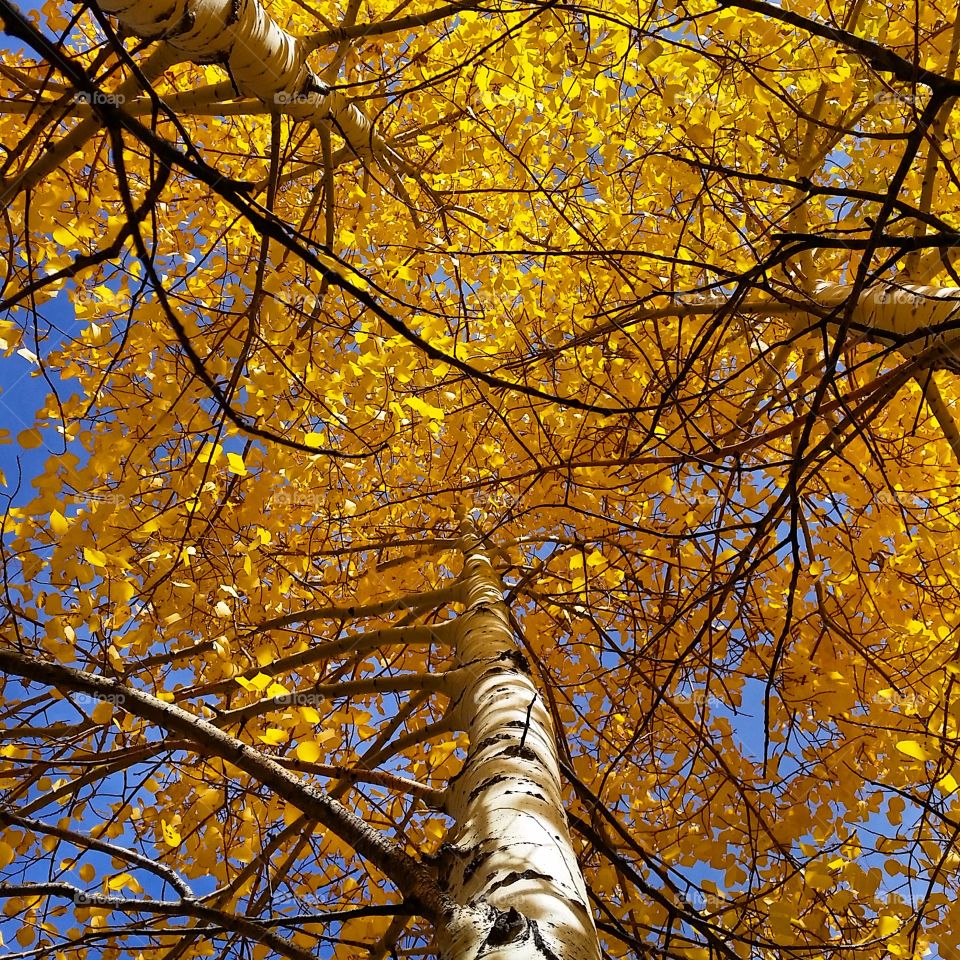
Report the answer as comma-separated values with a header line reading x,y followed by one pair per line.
x,y
509,863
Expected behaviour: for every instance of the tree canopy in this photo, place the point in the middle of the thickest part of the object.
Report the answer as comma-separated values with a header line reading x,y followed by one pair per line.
x,y
662,296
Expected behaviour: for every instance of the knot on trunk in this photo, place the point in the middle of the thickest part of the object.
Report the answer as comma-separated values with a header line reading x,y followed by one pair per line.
x,y
506,928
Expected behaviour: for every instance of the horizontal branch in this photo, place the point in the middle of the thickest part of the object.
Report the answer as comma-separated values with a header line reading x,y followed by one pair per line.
x,y
358,30
430,795
326,650
416,601
83,842
186,907
879,57
444,682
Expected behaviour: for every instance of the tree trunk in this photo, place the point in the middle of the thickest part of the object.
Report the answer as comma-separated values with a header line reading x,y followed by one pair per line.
x,y
263,60
903,310
509,864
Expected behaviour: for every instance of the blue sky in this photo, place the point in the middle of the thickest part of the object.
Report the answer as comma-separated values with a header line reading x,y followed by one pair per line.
x,y
22,388
23,391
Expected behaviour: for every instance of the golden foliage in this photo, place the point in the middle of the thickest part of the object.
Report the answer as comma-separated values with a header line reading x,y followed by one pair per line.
x,y
577,294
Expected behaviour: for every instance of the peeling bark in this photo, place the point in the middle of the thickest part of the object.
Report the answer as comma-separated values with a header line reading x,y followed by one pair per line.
x,y
508,863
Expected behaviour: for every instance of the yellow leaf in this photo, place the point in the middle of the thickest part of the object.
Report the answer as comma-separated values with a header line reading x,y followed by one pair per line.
x,y
87,872
64,237
29,439
102,712
210,452
124,880
6,855
236,465
440,752
887,925
95,558
170,834
650,53
308,752
424,408
310,714
273,737
10,335
58,523
912,748
123,590
947,784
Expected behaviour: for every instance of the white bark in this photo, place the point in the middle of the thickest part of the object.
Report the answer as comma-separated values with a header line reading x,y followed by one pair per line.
x,y
509,863
903,310
265,62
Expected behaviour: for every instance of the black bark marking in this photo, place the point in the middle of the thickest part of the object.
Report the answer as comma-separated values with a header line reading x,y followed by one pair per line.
x,y
506,928
483,785
445,860
524,753
315,85
490,741
185,25
518,659
502,778
517,877
527,793
475,864
163,14
540,943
